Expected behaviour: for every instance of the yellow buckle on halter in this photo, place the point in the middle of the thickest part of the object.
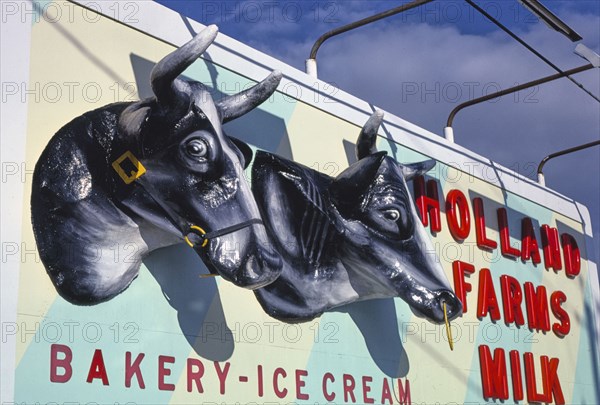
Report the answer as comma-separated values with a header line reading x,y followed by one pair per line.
x,y
139,168
200,230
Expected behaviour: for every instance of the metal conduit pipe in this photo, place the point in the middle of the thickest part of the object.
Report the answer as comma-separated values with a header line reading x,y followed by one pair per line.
x,y
540,173
449,132
311,62
529,47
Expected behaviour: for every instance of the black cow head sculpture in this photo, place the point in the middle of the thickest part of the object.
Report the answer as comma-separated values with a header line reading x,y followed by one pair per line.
x,y
350,238
118,182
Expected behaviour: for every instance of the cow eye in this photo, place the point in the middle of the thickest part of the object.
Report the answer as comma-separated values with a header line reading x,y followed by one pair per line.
x,y
196,148
393,222
391,215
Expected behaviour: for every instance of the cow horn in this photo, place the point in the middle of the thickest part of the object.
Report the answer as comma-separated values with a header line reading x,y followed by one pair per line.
x,y
366,143
172,65
236,105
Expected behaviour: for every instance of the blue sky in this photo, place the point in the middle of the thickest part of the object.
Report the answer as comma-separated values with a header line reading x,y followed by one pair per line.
x,y
421,64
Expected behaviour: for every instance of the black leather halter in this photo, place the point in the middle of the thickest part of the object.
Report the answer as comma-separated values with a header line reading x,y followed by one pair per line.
x,y
193,234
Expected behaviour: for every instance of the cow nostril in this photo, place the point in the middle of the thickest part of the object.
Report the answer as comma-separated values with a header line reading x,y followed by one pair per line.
x,y
256,272
453,304
270,259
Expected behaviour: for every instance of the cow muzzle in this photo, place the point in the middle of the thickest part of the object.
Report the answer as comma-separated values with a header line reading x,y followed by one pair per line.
x,y
433,308
243,259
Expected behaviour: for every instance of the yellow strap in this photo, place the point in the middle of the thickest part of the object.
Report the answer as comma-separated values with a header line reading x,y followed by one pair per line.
x,y
448,330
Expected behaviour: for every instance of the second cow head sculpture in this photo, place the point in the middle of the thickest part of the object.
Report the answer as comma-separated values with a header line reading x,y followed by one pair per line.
x,y
350,238
118,182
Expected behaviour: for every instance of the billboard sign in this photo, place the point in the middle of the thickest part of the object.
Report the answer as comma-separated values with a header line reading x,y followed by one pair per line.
x,y
392,266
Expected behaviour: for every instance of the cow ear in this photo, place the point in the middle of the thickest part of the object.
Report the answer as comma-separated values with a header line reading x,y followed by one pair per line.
x,y
244,148
417,169
134,117
351,184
